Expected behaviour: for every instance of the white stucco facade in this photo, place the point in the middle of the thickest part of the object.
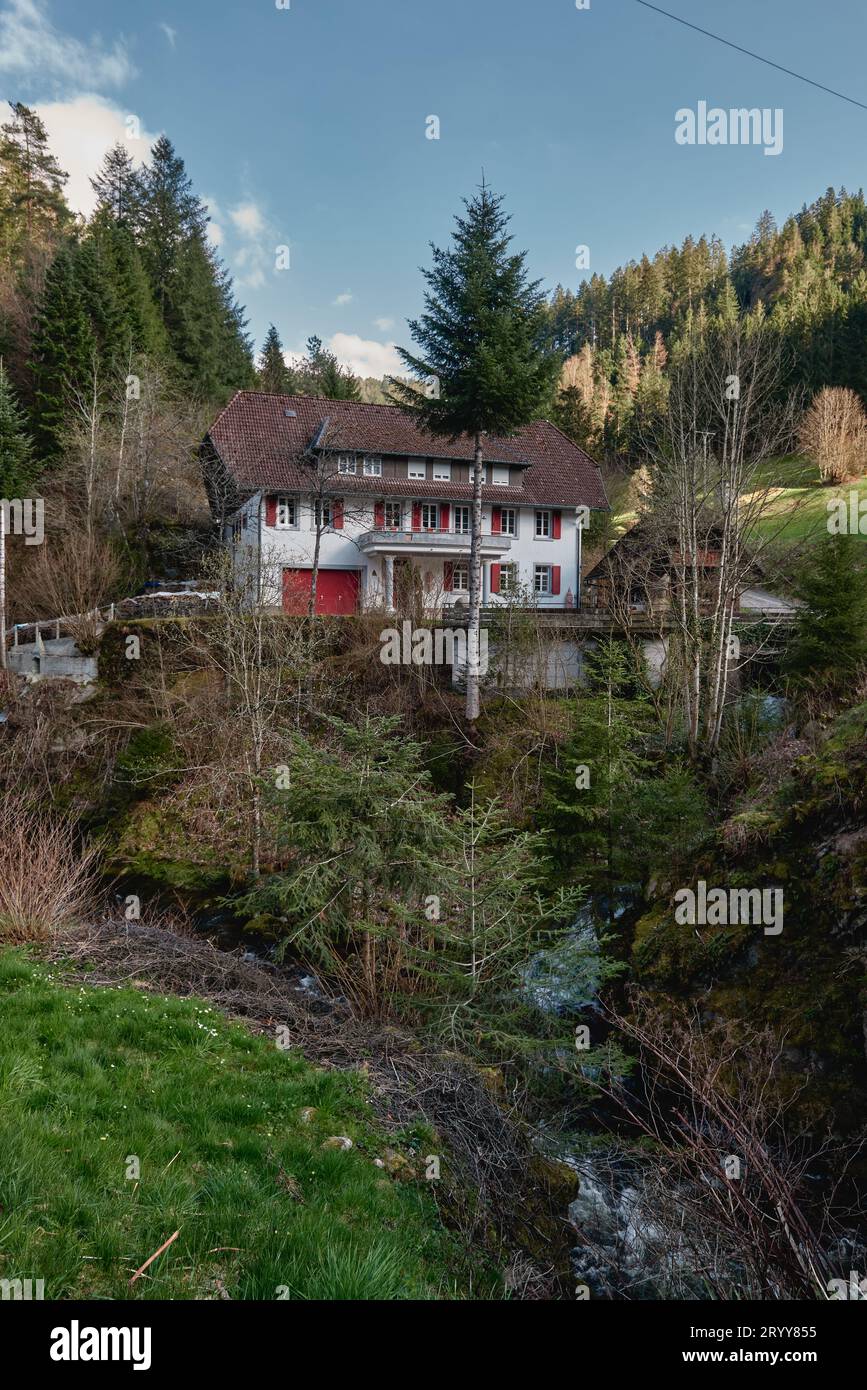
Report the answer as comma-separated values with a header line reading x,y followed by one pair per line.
x,y
529,552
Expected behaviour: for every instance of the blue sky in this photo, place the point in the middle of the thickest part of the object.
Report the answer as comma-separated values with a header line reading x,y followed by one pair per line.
x,y
306,127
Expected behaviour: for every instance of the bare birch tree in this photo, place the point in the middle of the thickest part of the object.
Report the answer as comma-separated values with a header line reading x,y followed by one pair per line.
x,y
729,418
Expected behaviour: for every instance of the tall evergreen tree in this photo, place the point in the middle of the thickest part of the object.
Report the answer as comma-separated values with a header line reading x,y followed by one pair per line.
x,y
143,329
33,210
273,375
16,448
118,186
830,640
322,374
171,215
192,290
62,355
480,342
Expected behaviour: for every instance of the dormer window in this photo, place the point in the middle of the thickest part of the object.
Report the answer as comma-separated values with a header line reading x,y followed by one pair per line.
x,y
442,472
500,475
372,466
346,463
417,469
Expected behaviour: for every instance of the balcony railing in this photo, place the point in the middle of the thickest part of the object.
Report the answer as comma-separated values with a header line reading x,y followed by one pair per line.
x,y
438,537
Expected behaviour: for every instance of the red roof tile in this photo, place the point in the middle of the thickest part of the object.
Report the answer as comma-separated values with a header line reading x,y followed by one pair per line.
x,y
261,446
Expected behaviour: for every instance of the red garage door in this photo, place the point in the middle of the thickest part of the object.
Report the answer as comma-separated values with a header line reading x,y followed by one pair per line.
x,y
336,591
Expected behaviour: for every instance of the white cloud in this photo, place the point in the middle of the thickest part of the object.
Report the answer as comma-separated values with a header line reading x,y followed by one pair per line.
x,y
31,46
170,33
365,356
384,325
248,267
80,132
248,219
215,228
345,298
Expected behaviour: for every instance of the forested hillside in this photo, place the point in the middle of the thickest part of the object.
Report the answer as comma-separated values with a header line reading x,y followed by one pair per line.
x,y
807,277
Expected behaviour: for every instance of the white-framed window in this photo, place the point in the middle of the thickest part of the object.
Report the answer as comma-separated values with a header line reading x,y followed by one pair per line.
x,y
461,577
372,466
430,516
416,468
462,519
543,526
442,472
542,579
323,510
287,511
508,578
509,521
393,516
346,463
500,475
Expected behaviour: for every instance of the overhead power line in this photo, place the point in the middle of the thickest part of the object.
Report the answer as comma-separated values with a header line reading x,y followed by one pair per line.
x,y
749,53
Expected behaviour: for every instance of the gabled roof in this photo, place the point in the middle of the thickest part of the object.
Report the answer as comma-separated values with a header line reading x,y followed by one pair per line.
x,y
261,441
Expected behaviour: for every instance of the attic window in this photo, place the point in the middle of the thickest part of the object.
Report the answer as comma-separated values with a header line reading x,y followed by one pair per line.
x,y
500,475
290,414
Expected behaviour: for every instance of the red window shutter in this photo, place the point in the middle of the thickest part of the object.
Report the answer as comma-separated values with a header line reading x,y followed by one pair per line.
x,y
416,516
555,575
495,520
337,514
555,529
495,579
270,511
379,515
448,574
445,511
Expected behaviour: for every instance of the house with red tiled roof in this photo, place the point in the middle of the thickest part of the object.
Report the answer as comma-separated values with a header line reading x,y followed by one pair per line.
x,y
381,511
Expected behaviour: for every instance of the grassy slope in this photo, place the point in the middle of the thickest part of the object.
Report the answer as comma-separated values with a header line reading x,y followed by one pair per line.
x,y
797,507
88,1077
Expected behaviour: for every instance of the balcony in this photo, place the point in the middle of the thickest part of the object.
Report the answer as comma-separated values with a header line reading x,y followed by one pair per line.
x,y
432,542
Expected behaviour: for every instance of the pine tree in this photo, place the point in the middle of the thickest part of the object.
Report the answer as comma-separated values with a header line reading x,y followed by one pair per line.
x,y
33,210
322,375
62,355
481,338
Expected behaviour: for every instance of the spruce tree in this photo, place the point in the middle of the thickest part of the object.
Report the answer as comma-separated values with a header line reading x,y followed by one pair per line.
x,y
273,375
205,325
829,643
16,449
62,355
118,186
143,327
171,215
481,350
573,416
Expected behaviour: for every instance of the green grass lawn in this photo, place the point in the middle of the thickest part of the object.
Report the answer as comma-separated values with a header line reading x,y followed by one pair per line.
x,y
90,1077
797,506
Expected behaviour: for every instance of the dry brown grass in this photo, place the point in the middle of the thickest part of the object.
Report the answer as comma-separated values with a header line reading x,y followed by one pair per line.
x,y
46,879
